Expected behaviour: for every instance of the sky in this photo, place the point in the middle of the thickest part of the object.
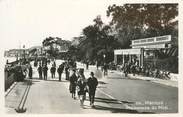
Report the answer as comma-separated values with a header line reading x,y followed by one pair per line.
x,y
29,22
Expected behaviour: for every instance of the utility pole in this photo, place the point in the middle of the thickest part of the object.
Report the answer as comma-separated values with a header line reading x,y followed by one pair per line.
x,y
24,53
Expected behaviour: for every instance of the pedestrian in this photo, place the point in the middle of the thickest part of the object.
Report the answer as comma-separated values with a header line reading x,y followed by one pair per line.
x,y
73,82
92,85
30,72
45,73
35,63
54,64
52,70
60,71
40,71
105,69
133,69
126,69
87,64
81,87
66,71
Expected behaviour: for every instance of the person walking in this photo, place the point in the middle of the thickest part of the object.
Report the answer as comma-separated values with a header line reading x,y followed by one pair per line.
x,y
87,64
105,69
66,71
126,69
92,85
52,70
133,69
30,72
40,71
81,87
60,71
45,73
54,63
73,82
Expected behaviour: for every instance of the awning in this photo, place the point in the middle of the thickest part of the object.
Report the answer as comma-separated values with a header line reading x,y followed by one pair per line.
x,y
127,51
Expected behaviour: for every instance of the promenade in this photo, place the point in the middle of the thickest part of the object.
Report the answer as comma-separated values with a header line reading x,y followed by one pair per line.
x,y
115,94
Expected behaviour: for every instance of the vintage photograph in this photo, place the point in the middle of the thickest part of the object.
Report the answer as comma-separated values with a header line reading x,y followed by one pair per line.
x,y
90,57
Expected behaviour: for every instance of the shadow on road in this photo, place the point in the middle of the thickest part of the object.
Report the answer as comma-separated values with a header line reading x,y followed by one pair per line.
x,y
106,100
115,109
114,101
119,110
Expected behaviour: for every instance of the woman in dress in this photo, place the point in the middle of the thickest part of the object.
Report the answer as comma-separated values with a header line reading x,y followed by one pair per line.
x,y
81,87
73,82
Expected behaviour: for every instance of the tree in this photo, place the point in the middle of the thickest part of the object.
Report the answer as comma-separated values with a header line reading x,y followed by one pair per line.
x,y
48,42
134,21
98,41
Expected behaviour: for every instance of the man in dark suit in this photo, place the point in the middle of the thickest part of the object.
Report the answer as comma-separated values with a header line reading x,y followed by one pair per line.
x,y
60,71
40,71
52,70
92,85
45,69
30,72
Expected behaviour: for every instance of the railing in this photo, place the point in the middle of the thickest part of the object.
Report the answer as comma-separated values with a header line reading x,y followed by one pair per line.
x,y
14,73
9,79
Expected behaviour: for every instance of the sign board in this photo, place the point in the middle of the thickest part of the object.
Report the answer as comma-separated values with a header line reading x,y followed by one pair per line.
x,y
156,42
150,46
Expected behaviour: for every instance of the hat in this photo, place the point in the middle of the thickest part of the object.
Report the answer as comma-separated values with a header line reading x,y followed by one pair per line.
x,y
92,73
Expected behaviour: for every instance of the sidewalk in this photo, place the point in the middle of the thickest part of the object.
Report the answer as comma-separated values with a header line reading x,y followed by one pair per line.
x,y
49,97
173,82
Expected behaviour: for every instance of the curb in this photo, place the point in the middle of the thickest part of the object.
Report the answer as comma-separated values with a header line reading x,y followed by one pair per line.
x,y
159,81
10,89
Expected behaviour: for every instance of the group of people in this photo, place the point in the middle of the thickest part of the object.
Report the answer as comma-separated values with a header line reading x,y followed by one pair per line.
x,y
43,71
79,83
147,70
130,67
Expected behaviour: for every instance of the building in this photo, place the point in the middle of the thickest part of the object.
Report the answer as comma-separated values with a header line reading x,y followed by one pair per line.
x,y
142,49
18,53
36,51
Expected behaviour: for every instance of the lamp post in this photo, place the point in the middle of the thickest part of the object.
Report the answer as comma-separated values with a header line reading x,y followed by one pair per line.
x,y
24,53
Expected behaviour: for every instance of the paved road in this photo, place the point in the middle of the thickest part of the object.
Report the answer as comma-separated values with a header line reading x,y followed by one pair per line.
x,y
139,95
114,95
143,95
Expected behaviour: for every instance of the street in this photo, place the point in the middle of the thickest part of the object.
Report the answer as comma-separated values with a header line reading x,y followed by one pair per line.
x,y
115,94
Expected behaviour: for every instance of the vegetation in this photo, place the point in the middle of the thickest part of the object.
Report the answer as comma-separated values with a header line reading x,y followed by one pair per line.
x,y
134,21
54,44
129,22
98,42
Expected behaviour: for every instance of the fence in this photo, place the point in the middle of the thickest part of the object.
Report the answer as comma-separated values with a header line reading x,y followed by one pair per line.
x,y
9,79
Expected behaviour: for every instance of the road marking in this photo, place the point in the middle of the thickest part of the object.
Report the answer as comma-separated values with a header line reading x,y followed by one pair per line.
x,y
126,105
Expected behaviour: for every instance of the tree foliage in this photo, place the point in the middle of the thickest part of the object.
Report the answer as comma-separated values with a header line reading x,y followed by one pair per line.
x,y
97,42
134,21
50,41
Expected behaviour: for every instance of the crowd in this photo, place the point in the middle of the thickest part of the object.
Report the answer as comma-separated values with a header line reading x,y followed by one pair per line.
x,y
79,84
147,70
